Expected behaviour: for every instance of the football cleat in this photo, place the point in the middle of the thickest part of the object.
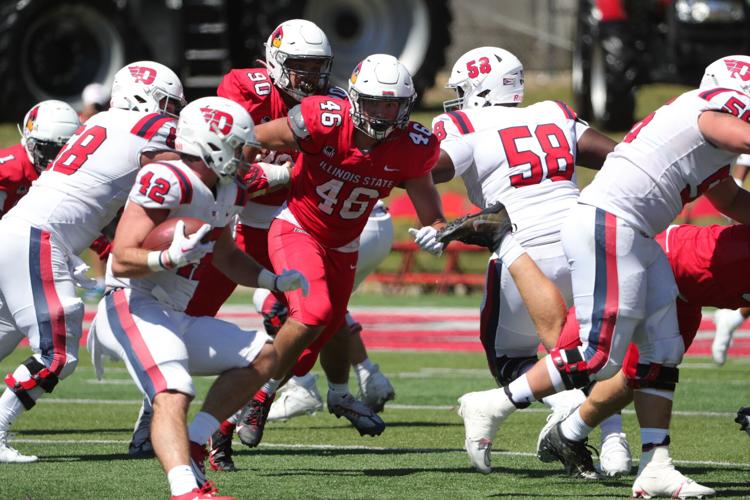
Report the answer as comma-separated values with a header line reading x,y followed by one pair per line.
x,y
558,415
375,389
663,480
574,455
480,427
614,455
725,326
359,414
485,228
208,490
10,455
253,419
743,418
299,396
198,454
220,456
140,443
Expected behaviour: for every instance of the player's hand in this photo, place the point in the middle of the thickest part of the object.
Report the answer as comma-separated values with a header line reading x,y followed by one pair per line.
x,y
284,282
186,249
276,175
425,238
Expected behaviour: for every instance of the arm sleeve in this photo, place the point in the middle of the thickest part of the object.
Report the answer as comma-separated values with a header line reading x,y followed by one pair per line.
x,y
161,186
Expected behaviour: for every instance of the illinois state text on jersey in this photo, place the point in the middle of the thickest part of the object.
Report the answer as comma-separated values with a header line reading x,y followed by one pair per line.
x,y
335,185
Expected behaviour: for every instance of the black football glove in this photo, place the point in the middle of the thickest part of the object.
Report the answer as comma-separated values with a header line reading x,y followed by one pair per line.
x,y
486,228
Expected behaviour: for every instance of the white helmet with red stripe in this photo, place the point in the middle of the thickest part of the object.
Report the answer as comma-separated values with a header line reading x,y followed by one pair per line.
x,y
382,94
215,129
298,58
147,86
485,76
46,128
731,72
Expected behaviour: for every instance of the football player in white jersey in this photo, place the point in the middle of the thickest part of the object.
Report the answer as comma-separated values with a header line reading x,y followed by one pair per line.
x,y
524,158
142,316
623,286
60,216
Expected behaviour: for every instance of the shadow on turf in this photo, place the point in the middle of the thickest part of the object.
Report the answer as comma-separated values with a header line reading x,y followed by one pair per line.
x,y
346,424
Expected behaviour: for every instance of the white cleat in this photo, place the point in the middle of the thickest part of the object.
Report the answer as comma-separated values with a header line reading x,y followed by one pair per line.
x,y
299,396
558,415
480,426
614,456
663,480
10,455
726,324
375,389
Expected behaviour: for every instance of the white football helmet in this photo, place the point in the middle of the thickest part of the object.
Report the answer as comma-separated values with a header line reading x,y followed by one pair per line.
x,y
215,129
298,58
376,83
485,76
147,86
46,128
730,72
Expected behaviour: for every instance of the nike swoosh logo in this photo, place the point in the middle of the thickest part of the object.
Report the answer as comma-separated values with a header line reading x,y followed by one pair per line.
x,y
389,169
353,268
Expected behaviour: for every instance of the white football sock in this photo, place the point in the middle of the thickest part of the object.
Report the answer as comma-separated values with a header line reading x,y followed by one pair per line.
x,y
611,425
338,391
181,480
574,428
565,399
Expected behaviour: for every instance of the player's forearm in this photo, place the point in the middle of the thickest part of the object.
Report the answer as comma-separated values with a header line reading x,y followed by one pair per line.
x,y
131,262
238,267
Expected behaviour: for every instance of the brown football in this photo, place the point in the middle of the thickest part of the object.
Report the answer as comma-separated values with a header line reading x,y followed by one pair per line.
x,y
160,237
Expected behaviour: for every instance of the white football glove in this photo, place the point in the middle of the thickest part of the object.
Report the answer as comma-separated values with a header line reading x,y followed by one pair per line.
x,y
284,282
276,175
186,250
425,238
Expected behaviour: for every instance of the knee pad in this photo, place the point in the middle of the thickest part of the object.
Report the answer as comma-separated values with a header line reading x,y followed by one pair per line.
x,y
508,369
41,376
655,376
574,370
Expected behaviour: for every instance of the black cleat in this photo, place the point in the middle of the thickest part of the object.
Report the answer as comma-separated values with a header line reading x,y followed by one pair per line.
x,y
361,416
574,455
485,229
220,456
253,421
743,418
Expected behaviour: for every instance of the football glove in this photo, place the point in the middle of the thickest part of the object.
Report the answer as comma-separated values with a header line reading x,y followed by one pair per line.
x,y
184,249
425,238
284,282
485,229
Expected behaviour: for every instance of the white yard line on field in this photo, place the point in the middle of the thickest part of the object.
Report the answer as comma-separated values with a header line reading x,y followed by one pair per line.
x,y
299,446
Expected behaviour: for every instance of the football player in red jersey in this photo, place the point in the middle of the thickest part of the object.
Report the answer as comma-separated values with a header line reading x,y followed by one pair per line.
x,y
352,154
46,128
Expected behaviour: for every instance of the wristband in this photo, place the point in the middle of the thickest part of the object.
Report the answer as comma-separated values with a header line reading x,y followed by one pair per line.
x,y
154,261
267,280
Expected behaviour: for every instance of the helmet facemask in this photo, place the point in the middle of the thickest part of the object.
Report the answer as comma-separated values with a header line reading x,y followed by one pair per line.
x,y
298,79
42,151
379,116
